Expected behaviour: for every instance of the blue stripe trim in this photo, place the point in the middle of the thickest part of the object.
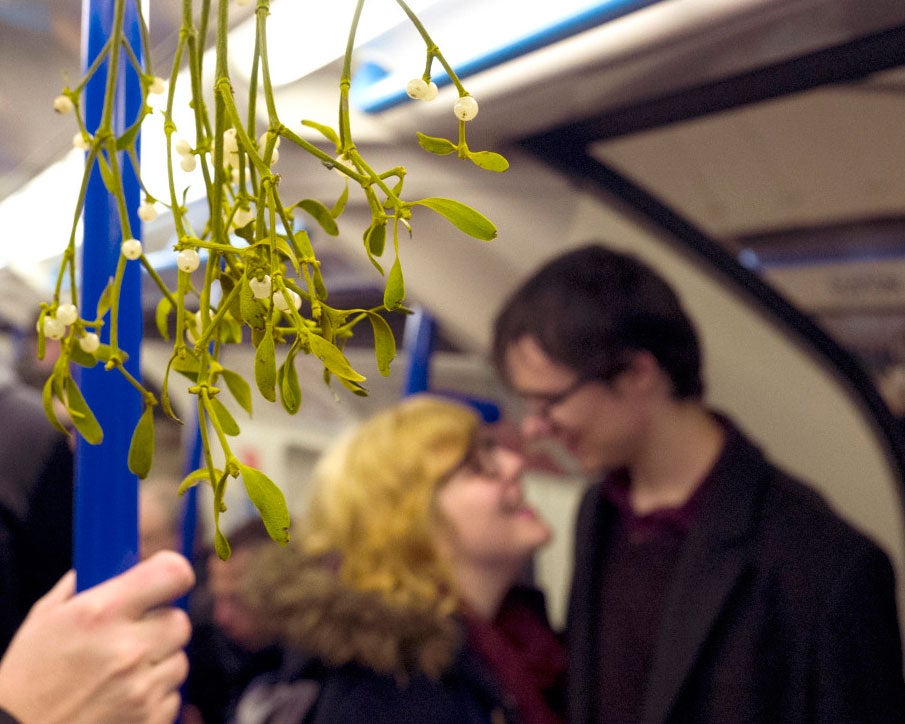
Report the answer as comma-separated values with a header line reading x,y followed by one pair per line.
x,y
572,25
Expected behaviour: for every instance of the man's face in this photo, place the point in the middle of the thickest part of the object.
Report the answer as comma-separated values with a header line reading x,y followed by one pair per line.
x,y
599,423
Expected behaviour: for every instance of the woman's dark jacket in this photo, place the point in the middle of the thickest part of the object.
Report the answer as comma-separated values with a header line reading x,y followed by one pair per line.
x,y
362,661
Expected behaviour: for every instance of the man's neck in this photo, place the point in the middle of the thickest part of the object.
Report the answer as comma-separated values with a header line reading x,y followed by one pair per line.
x,y
685,441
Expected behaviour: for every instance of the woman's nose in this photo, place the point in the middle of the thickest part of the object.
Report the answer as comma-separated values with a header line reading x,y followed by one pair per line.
x,y
535,426
511,463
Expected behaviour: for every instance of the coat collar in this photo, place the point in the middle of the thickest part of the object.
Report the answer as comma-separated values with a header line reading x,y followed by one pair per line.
x,y
338,625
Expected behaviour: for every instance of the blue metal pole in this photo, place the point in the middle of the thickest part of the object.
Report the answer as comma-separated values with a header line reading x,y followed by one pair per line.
x,y
106,493
418,340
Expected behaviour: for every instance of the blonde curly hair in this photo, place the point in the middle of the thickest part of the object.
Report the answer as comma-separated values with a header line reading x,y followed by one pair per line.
x,y
371,506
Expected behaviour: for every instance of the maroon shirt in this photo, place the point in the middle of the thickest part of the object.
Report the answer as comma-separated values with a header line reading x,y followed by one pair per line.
x,y
636,576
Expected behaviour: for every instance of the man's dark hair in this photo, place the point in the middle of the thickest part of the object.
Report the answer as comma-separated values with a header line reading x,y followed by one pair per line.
x,y
591,308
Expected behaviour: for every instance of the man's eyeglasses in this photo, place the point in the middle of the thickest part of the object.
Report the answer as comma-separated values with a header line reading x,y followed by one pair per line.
x,y
541,404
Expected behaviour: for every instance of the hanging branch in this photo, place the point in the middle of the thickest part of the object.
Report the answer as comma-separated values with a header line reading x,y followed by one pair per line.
x,y
267,272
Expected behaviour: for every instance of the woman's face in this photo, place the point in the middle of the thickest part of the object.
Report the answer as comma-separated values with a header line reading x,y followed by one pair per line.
x,y
488,523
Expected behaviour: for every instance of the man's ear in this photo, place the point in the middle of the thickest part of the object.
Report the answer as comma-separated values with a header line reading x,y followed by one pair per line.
x,y
642,376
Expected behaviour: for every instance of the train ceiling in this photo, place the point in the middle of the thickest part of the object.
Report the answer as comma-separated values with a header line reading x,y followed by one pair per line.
x,y
782,175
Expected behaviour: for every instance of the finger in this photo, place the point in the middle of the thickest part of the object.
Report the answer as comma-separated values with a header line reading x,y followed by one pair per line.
x,y
168,630
62,591
154,582
169,674
168,710
173,670
146,695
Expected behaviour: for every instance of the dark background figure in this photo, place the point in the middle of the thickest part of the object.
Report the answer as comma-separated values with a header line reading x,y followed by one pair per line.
x,y
228,648
36,496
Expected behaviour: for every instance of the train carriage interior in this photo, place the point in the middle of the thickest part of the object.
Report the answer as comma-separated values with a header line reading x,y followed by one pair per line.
x,y
751,150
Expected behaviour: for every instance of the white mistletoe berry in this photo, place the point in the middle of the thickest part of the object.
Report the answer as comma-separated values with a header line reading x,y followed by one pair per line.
x,y
63,104
188,260
131,249
280,302
194,328
188,163
182,147
79,141
90,342
260,288
416,88
343,160
262,141
158,85
67,313
230,143
431,92
466,108
147,211
53,328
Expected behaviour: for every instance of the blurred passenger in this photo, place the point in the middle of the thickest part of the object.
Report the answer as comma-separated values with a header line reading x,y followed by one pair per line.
x,y
400,596
110,654
709,586
36,493
229,646
159,516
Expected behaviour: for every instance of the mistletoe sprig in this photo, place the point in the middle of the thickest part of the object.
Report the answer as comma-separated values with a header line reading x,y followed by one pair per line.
x,y
261,275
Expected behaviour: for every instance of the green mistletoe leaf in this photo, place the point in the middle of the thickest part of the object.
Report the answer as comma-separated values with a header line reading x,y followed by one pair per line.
x,y
224,418
384,342
327,132
462,217
105,299
253,312
333,359
49,407
394,292
375,237
488,160
288,381
239,388
196,476
340,204
438,146
321,214
141,448
162,315
269,501
266,368
82,416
